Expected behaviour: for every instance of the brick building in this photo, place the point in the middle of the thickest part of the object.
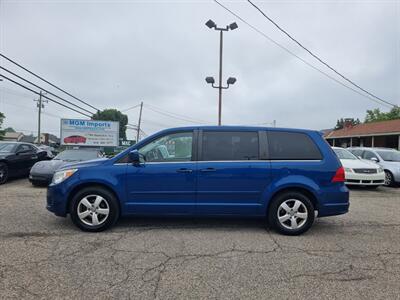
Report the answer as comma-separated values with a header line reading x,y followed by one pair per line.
x,y
377,134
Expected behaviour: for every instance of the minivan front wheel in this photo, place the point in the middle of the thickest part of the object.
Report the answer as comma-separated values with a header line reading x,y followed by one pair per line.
x,y
94,209
291,213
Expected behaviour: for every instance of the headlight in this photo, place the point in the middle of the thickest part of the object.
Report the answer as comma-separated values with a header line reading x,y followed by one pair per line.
x,y
348,170
380,170
60,176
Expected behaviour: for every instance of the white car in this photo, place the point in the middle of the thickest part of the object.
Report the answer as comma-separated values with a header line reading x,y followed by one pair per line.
x,y
360,172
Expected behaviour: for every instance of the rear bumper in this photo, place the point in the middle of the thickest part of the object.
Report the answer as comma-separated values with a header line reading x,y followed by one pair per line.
x,y
334,201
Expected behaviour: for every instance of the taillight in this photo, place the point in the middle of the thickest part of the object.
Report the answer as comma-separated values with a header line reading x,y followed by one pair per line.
x,y
339,176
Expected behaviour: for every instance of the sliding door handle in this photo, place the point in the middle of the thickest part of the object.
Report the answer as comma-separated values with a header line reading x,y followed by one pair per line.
x,y
184,170
208,170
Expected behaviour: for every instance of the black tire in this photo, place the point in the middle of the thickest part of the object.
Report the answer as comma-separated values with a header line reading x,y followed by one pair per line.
x,y
291,197
389,179
3,172
110,202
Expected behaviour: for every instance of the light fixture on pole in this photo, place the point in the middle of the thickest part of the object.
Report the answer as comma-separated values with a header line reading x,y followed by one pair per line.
x,y
210,80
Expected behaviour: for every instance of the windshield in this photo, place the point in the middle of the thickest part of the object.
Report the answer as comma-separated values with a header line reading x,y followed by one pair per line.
x,y
77,155
389,155
344,154
7,147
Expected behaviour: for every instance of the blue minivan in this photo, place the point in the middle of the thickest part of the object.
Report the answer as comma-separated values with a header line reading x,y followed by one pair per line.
x,y
287,176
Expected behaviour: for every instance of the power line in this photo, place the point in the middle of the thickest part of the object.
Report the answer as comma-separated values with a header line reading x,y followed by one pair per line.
x,y
174,115
316,57
37,93
35,85
41,78
14,92
129,108
298,57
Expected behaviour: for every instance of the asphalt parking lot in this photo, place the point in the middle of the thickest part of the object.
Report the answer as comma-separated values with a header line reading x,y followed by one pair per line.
x,y
346,257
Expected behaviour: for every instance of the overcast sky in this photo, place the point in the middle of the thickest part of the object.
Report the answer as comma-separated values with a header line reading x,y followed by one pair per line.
x,y
114,54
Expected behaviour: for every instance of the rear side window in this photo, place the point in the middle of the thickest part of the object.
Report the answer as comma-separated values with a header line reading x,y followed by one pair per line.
x,y
357,152
228,145
292,146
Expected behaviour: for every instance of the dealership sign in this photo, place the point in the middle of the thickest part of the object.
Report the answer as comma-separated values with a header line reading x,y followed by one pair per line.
x,y
89,133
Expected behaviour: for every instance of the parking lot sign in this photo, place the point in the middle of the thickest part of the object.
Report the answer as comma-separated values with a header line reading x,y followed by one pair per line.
x,y
89,133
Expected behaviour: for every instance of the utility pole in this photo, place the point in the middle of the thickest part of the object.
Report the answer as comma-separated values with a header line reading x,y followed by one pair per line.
x,y
39,105
140,121
231,80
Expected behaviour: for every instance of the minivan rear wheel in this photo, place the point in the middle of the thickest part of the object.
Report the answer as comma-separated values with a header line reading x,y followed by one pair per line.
x,y
94,209
291,213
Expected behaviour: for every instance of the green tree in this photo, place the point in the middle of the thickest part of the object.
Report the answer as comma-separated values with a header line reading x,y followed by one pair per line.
x,y
341,121
376,115
9,129
2,117
112,114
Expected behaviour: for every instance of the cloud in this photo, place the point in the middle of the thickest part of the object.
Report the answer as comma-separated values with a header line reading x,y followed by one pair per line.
x,y
116,54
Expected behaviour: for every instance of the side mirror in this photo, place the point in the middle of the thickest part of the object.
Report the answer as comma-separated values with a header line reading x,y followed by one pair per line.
x,y
134,156
359,157
374,159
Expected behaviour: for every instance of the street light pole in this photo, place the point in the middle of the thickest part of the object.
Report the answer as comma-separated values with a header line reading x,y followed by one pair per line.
x,y
221,32
231,80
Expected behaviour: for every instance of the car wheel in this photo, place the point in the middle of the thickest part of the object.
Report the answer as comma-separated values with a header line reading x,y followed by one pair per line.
x,y
291,213
3,172
94,209
389,178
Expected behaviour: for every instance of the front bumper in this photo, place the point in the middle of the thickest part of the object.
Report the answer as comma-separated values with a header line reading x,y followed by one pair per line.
x,y
364,179
57,199
42,178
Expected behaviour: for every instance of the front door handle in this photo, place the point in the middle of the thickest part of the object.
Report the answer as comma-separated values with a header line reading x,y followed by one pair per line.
x,y
208,170
184,170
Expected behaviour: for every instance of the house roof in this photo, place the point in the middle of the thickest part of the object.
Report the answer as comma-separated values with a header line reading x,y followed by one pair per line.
x,y
13,135
366,129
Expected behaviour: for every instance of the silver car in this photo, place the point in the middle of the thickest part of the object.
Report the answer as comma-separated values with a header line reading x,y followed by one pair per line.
x,y
388,159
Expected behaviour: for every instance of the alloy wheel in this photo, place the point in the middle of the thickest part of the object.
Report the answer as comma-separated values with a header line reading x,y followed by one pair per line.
x,y
388,179
3,173
292,214
93,210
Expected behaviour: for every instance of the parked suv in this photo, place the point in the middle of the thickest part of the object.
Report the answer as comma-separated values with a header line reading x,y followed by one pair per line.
x,y
288,176
388,159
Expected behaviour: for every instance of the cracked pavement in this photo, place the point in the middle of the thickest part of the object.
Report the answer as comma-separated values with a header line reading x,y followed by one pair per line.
x,y
354,256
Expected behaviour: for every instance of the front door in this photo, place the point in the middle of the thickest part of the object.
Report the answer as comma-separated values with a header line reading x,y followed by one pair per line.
x,y
231,175
165,182
25,158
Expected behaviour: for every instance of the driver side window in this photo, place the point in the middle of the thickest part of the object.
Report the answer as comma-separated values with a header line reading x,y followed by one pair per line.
x,y
369,155
24,148
169,148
